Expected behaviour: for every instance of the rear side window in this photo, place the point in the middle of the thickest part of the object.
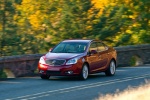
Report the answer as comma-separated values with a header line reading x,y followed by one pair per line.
x,y
100,47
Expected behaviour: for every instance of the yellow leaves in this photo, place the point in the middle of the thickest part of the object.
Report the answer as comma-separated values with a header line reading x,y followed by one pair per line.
x,y
131,5
113,4
131,16
48,38
30,10
116,39
26,2
136,25
15,17
135,38
34,21
0,27
88,27
26,6
149,23
129,31
127,1
100,4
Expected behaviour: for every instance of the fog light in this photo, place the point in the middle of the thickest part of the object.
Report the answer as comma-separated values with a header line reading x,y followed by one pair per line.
x,y
69,72
41,71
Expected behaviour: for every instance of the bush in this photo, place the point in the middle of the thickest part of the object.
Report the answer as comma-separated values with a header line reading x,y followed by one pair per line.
x,y
2,74
133,61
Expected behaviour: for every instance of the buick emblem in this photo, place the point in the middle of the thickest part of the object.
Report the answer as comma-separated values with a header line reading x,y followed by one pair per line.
x,y
53,62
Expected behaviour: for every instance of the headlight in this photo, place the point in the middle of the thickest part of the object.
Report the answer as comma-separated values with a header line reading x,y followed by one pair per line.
x,y
72,61
42,61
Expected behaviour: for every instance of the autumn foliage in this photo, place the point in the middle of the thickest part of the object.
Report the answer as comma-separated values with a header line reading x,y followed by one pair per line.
x,y
33,26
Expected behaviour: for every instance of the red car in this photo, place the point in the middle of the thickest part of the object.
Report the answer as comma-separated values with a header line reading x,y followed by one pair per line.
x,y
78,57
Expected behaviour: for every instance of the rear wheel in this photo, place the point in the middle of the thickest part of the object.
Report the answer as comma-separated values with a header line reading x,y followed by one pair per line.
x,y
111,69
45,76
84,72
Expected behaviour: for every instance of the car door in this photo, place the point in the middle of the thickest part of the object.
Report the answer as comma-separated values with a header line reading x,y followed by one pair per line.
x,y
102,56
93,58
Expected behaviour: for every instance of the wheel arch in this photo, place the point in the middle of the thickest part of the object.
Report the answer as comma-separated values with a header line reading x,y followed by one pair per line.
x,y
108,71
114,61
87,66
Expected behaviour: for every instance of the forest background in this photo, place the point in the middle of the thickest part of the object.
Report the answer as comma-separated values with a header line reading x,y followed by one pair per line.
x,y
34,26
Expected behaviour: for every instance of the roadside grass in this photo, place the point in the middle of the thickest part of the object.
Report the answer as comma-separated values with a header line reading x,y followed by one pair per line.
x,y
139,93
2,74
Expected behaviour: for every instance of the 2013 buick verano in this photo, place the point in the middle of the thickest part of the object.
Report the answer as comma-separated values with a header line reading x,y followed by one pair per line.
x,y
78,57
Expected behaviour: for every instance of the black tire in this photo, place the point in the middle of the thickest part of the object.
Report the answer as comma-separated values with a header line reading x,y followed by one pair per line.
x,y
45,76
111,69
84,72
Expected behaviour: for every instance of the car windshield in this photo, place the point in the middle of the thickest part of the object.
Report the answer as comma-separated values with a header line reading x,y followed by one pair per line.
x,y
70,47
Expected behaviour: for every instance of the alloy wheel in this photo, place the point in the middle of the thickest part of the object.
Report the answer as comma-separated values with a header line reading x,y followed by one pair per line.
x,y
85,72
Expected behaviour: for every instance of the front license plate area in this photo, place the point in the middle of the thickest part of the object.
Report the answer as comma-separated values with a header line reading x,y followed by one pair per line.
x,y
53,72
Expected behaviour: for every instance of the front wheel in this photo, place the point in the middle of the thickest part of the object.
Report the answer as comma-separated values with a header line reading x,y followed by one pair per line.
x,y
84,72
111,69
45,76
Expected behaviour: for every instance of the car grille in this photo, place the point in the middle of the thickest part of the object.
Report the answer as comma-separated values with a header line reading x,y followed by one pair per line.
x,y
54,62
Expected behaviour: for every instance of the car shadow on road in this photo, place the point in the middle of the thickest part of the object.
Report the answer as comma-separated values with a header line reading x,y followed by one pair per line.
x,y
75,78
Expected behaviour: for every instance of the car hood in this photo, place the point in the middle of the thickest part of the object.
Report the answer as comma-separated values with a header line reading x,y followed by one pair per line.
x,y
61,55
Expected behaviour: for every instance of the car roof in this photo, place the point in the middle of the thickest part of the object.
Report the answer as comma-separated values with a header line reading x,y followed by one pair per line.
x,y
78,40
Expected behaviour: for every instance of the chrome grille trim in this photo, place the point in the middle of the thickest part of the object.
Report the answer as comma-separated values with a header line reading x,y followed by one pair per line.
x,y
55,62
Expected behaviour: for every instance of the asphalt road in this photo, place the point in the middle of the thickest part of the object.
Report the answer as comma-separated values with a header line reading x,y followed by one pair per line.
x,y
72,88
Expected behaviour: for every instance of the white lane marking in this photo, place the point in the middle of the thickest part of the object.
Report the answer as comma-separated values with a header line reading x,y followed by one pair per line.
x,y
9,82
121,70
76,89
81,87
38,96
84,88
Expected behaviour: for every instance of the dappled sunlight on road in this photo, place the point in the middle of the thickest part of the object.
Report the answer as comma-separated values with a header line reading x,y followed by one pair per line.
x,y
139,93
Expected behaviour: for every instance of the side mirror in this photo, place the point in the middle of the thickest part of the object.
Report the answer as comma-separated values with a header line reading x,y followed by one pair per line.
x,y
93,51
50,49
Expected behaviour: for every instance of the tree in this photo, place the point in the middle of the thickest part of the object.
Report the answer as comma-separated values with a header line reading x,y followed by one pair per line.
x,y
33,26
124,22
137,23
8,26
13,40
75,20
37,18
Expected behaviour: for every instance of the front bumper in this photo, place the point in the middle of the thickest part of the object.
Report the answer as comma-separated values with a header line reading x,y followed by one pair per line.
x,y
64,70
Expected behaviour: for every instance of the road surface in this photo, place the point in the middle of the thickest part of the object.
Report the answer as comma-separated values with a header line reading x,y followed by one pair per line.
x,y
72,88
